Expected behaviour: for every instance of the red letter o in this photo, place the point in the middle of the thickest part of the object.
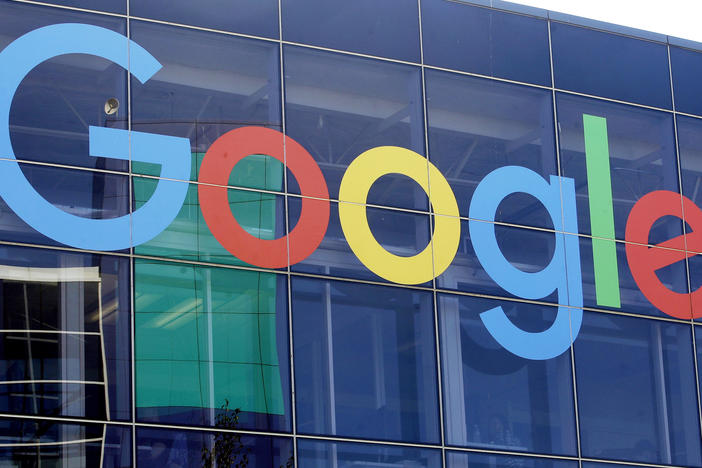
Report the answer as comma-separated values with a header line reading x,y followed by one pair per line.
x,y
217,165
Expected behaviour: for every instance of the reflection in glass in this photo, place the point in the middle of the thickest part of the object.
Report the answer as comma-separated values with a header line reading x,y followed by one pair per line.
x,y
690,150
209,341
256,17
529,250
476,126
365,363
480,460
636,390
319,454
602,465
641,152
87,194
480,40
192,449
64,337
494,399
112,6
399,232
262,215
61,97
610,65
690,147
674,277
44,443
209,84
386,29
339,106
686,68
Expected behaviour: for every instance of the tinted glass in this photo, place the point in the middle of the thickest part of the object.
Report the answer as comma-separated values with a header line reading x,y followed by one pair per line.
x,y
694,268
65,343
188,237
399,232
256,17
641,147
600,465
211,341
479,40
386,29
179,448
480,460
338,106
612,66
494,399
48,443
319,454
477,126
636,390
112,6
528,250
61,97
209,84
631,296
365,364
86,194
690,147
687,71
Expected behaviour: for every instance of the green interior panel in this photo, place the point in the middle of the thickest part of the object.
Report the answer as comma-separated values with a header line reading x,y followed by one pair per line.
x,y
204,334
198,327
189,238
256,171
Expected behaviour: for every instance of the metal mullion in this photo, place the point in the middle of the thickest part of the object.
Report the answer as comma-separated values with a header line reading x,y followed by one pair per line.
x,y
556,128
435,307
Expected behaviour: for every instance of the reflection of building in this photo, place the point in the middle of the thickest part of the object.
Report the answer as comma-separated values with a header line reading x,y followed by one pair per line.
x,y
52,319
137,357
53,347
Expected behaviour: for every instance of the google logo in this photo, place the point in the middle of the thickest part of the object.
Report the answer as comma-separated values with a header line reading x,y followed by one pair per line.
x,y
557,195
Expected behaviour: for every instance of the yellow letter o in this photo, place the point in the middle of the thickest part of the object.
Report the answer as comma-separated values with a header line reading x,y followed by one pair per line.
x,y
353,193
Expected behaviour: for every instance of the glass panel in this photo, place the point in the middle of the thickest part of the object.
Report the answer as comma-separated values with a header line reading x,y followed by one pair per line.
x,y
399,232
48,443
632,299
365,363
386,29
112,6
694,268
477,126
642,159
318,454
209,85
609,465
609,65
489,42
528,250
61,97
690,147
101,196
339,106
637,398
210,342
188,237
65,321
687,72
481,460
179,448
256,17
494,399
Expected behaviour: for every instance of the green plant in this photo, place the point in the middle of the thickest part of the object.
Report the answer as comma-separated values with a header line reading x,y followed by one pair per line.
x,y
227,451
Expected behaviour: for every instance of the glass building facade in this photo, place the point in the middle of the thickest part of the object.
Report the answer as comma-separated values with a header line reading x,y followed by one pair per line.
x,y
173,352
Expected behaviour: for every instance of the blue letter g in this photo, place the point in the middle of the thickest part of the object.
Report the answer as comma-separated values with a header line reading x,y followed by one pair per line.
x,y
172,153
